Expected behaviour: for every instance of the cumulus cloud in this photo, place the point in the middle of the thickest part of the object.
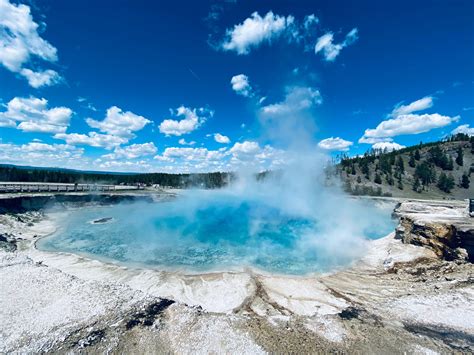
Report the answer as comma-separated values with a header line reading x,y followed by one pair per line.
x,y
373,140
41,78
189,154
409,124
40,154
250,153
247,153
330,50
465,128
242,154
240,84
254,31
245,148
402,121
387,146
297,99
118,128
20,41
219,138
257,30
183,141
33,115
119,123
129,166
132,151
92,139
337,144
192,120
415,106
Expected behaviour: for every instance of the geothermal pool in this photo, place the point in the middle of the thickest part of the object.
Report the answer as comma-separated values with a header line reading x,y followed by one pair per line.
x,y
204,231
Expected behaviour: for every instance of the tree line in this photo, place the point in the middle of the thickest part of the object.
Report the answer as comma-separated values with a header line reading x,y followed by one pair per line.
x,y
28,174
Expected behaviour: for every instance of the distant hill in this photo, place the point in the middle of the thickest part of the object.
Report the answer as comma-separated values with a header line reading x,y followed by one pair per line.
x,y
441,169
66,170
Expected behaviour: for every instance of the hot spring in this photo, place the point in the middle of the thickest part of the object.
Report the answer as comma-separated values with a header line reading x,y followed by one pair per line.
x,y
220,230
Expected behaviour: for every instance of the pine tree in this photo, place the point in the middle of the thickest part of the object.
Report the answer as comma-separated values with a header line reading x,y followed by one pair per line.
x,y
416,185
400,184
359,180
364,168
426,173
400,165
377,179
417,154
465,181
445,183
450,163
412,161
459,157
392,159
353,170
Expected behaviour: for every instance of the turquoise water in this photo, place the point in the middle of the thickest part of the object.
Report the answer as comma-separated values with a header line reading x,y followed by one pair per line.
x,y
208,232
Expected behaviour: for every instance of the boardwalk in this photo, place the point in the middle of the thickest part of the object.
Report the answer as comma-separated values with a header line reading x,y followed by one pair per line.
x,y
10,187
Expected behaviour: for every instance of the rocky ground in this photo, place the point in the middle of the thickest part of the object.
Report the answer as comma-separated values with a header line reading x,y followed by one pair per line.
x,y
412,293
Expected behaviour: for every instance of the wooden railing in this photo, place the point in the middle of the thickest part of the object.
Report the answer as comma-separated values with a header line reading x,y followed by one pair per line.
x,y
10,187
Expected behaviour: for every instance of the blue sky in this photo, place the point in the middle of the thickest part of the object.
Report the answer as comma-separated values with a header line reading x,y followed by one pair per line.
x,y
197,86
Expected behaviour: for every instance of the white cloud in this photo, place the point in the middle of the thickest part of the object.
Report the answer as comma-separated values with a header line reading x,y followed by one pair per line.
x,y
373,140
464,129
409,124
119,123
254,31
331,50
189,154
42,78
132,151
40,154
402,121
387,146
250,154
296,99
245,148
183,141
129,166
193,119
415,106
242,154
310,21
34,116
337,143
20,41
92,139
219,138
240,84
